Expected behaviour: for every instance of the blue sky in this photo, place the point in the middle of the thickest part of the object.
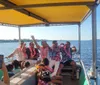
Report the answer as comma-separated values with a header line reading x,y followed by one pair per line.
x,y
66,32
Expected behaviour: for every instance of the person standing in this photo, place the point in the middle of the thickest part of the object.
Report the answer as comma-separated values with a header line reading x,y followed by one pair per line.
x,y
54,55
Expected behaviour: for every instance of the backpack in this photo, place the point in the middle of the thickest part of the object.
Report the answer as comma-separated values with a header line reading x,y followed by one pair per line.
x,y
45,76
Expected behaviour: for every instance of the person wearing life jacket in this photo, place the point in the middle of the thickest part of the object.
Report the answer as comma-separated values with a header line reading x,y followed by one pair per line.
x,y
44,74
66,52
54,55
43,49
32,52
20,52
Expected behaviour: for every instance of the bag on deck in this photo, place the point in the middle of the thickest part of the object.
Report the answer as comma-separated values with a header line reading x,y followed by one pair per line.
x,y
45,76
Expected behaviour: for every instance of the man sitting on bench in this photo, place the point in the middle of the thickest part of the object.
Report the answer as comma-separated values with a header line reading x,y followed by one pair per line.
x,y
66,52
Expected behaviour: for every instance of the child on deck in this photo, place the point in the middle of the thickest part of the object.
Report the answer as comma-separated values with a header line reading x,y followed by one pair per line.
x,y
10,70
17,66
44,74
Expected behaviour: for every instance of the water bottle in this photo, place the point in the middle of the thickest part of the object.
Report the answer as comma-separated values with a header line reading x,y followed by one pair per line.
x,y
77,74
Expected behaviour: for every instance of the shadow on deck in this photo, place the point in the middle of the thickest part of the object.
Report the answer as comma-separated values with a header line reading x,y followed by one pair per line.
x,y
68,81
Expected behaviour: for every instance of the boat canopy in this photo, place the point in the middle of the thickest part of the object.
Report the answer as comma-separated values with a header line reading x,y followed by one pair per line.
x,y
34,12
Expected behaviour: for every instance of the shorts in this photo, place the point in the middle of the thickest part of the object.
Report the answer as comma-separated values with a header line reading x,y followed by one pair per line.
x,y
67,63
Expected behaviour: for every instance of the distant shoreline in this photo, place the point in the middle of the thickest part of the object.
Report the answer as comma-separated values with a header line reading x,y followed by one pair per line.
x,y
7,41
25,40
28,40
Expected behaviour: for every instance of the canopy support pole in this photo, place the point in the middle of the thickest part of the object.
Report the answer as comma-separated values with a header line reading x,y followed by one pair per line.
x,y
94,45
19,33
79,38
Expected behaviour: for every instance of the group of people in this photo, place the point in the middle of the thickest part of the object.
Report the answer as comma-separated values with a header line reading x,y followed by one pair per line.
x,y
24,52
58,56
53,58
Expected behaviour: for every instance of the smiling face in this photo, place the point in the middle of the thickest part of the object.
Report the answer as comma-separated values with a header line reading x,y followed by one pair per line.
x,y
44,43
31,44
62,45
68,44
55,44
22,44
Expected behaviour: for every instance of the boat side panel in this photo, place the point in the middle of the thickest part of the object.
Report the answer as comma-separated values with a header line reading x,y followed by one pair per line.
x,y
82,80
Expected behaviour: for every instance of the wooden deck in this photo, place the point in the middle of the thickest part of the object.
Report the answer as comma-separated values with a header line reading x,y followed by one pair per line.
x,y
24,78
66,73
68,81
29,78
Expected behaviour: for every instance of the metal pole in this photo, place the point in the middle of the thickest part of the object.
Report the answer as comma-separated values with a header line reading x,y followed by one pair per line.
x,y
79,38
19,33
94,44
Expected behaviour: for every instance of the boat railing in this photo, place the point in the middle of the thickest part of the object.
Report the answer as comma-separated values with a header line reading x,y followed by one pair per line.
x,y
86,75
77,58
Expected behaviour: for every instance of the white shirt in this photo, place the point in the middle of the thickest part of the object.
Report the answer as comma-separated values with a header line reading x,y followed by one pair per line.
x,y
19,54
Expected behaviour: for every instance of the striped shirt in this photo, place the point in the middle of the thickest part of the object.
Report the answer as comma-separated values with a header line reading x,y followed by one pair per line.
x,y
54,53
66,54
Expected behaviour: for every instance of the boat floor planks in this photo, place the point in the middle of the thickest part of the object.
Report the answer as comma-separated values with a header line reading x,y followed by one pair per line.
x,y
30,81
68,81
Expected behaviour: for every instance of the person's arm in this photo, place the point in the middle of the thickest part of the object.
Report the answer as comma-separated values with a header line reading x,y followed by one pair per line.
x,y
2,83
48,47
12,55
37,52
48,68
6,76
37,45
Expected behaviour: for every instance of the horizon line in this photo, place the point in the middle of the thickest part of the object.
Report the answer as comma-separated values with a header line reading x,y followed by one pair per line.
x,y
45,39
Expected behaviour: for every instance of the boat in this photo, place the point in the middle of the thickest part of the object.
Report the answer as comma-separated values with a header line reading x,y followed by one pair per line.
x,y
19,13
